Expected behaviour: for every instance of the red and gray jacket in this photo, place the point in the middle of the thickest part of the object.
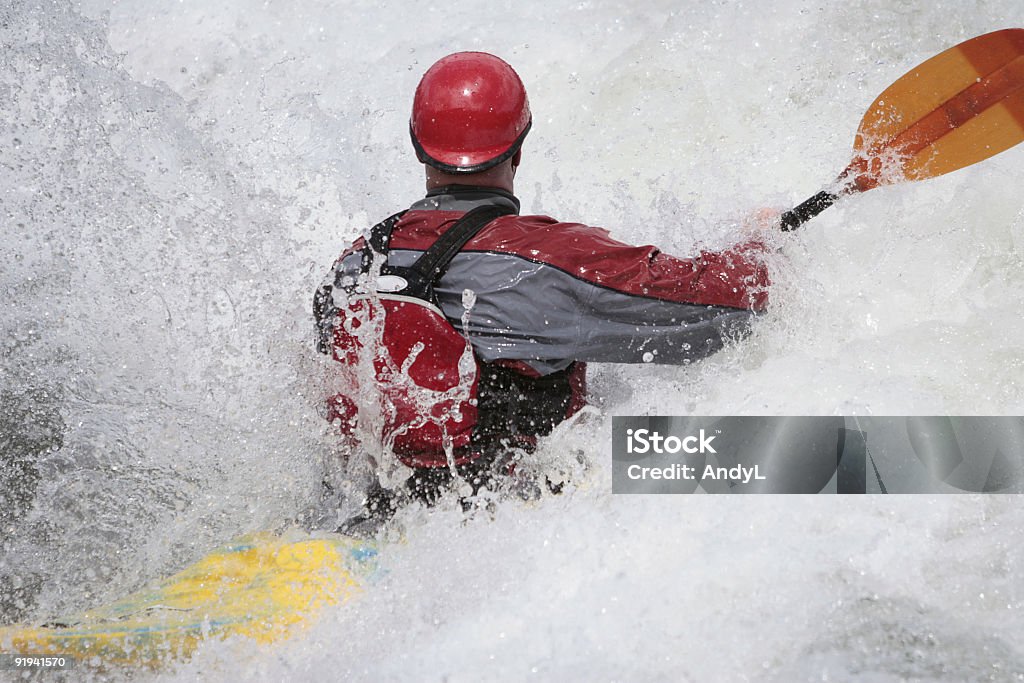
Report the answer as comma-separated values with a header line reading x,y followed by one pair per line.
x,y
536,299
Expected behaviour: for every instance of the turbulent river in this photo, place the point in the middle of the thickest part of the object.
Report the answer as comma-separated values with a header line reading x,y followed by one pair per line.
x,y
176,178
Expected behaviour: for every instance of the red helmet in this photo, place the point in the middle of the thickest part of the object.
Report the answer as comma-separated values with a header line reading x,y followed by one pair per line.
x,y
470,113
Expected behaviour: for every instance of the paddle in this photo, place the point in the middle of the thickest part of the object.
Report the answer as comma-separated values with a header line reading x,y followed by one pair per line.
x,y
956,109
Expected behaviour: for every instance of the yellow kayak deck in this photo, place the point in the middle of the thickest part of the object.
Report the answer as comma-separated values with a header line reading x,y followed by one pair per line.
x,y
261,586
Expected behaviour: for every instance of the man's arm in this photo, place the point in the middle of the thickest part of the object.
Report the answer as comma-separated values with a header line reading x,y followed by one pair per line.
x,y
561,292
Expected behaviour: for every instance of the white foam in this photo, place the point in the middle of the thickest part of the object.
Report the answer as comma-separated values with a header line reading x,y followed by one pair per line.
x,y
200,184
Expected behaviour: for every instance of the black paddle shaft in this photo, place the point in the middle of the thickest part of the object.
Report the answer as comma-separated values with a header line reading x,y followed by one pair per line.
x,y
797,216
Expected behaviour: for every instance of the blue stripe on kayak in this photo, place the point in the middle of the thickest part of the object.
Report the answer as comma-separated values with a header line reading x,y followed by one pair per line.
x,y
364,553
240,548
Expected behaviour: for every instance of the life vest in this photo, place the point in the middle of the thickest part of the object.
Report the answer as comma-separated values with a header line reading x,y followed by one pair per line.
x,y
387,330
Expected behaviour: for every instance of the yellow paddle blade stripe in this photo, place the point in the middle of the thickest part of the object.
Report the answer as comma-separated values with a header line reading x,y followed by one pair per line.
x,y
914,96
996,129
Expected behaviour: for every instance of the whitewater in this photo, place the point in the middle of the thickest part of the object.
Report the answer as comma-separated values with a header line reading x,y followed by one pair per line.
x,y
176,179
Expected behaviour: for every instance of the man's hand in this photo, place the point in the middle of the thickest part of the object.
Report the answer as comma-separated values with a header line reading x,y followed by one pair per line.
x,y
761,222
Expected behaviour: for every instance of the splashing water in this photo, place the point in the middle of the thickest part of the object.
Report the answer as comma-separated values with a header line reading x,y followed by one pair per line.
x,y
177,178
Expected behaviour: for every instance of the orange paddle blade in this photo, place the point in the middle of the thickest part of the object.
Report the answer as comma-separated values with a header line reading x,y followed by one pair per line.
x,y
956,109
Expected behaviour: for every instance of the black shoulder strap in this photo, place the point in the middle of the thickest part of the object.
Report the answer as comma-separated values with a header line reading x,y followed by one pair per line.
x,y
379,240
420,276
324,310
435,259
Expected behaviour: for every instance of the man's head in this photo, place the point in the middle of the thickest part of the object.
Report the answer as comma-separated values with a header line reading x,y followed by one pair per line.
x,y
469,118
